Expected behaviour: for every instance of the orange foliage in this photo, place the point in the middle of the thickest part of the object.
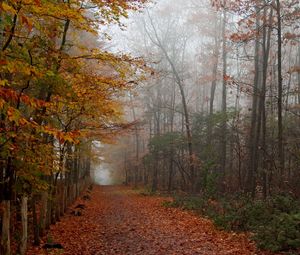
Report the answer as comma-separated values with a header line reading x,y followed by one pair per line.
x,y
119,221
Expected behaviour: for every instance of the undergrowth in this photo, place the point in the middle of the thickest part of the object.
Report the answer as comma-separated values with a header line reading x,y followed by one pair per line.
x,y
275,223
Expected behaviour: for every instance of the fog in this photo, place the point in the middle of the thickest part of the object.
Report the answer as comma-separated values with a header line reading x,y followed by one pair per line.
x,y
102,175
218,103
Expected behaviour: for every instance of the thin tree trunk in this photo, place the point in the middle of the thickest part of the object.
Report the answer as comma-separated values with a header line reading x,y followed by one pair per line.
x,y
36,230
214,81
184,104
171,159
137,146
251,173
279,100
171,172
298,75
224,101
43,212
262,106
5,235
24,216
156,159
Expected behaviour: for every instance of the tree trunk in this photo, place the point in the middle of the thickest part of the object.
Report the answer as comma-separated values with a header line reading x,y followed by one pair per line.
x,y
5,235
36,230
298,75
43,212
155,175
262,105
24,216
279,100
214,81
224,101
171,172
137,145
252,166
184,104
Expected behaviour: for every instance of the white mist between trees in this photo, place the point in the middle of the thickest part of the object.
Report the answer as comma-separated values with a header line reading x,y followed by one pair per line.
x,y
102,175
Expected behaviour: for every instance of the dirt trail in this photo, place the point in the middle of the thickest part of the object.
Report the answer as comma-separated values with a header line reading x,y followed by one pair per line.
x,y
119,221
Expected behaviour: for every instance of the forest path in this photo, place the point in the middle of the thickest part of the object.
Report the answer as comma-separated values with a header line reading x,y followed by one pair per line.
x,y
120,221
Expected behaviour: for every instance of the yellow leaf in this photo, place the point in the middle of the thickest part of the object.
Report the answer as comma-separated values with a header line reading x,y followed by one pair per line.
x,y
7,8
2,103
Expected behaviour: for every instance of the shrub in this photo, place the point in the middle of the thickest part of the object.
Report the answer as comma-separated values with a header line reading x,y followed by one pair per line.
x,y
251,216
284,203
275,223
281,233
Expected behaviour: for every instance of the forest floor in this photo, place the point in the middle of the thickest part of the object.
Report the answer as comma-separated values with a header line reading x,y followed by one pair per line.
x,y
118,220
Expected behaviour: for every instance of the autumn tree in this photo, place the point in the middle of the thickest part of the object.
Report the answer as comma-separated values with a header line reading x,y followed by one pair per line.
x,y
51,101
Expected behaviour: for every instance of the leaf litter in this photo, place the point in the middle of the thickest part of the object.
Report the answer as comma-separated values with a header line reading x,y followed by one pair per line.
x,y
119,221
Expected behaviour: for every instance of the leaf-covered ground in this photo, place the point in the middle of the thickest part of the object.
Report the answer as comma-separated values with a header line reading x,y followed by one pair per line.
x,y
119,221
